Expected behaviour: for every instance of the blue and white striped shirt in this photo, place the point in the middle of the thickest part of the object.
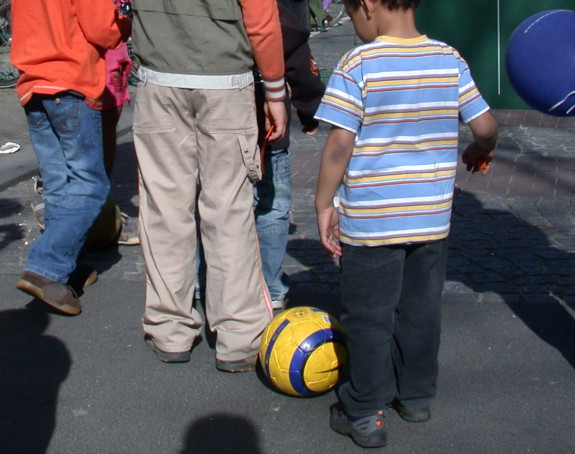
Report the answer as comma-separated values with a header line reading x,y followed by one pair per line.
x,y
403,99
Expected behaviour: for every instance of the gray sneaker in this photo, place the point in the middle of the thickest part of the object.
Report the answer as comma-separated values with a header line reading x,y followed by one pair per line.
x,y
129,233
367,432
279,303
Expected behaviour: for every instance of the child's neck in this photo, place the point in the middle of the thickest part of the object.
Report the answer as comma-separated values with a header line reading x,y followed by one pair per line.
x,y
397,24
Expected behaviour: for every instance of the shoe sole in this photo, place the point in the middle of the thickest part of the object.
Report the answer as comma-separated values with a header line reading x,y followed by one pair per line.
x,y
129,242
236,366
406,416
38,293
342,426
364,442
91,279
234,370
168,357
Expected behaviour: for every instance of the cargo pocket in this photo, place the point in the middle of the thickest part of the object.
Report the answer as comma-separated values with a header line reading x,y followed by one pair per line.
x,y
251,159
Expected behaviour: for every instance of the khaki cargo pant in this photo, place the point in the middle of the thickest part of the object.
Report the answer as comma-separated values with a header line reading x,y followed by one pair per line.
x,y
184,137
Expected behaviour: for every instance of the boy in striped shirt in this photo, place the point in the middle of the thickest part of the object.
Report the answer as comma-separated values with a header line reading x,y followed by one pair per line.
x,y
389,165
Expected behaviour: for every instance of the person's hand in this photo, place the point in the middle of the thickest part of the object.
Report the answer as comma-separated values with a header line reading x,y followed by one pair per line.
x,y
328,228
310,131
477,159
276,114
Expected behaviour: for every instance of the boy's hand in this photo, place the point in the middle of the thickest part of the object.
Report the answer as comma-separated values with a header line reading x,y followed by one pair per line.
x,y
477,159
276,114
328,228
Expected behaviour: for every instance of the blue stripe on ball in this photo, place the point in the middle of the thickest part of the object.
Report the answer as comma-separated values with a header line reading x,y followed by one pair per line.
x,y
303,352
271,345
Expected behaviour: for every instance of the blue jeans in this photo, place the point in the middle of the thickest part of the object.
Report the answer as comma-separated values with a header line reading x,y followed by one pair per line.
x,y
67,137
391,314
272,203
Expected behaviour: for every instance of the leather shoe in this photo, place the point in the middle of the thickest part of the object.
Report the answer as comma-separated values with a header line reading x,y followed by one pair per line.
x,y
168,357
242,365
59,296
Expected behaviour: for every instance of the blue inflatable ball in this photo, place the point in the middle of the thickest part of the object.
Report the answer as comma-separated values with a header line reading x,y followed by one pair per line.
x,y
540,61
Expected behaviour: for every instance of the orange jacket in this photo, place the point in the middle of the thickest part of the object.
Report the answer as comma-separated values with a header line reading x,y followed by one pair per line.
x,y
261,20
59,45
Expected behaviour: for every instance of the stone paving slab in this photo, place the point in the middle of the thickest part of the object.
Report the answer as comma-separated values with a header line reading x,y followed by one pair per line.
x,y
507,363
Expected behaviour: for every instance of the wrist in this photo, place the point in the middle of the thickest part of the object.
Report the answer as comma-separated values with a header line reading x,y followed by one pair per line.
x,y
275,90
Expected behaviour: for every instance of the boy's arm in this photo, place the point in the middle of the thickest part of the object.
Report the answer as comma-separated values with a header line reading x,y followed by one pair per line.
x,y
334,161
302,72
101,23
484,129
262,24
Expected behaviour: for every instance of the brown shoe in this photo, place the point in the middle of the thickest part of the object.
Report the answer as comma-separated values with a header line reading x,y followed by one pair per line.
x,y
242,365
168,357
82,277
61,297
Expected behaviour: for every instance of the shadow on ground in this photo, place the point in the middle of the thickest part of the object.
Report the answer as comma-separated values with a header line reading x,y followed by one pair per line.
x,y
495,251
10,232
222,433
33,366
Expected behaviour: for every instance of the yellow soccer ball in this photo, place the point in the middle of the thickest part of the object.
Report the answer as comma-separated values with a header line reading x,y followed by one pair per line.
x,y
303,351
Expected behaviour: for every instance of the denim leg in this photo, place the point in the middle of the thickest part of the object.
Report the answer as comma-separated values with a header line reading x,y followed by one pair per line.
x,y
371,282
67,138
272,203
417,329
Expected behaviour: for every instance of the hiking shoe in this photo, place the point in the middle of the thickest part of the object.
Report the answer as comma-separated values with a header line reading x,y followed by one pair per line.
x,y
129,233
242,365
167,357
411,414
59,296
367,432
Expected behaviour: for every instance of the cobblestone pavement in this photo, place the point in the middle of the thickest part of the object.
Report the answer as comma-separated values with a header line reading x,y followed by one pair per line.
x,y
512,230
511,251
512,235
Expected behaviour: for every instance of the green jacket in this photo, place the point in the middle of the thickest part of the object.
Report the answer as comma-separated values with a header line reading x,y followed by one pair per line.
x,y
192,37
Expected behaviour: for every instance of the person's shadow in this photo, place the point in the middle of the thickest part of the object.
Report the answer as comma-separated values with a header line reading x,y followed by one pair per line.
x,y
318,285
10,232
32,367
489,251
494,250
222,433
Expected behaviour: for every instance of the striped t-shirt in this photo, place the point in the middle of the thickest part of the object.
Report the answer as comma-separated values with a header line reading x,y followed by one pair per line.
x,y
403,99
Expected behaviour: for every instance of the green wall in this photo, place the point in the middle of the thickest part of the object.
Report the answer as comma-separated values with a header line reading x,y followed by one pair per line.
x,y
480,30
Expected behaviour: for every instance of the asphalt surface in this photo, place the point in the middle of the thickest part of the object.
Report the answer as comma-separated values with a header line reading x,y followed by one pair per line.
x,y
88,384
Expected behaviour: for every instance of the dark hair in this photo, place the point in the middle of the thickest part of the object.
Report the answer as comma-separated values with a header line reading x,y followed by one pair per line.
x,y
391,4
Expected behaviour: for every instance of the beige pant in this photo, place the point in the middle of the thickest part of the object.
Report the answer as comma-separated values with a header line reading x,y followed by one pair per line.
x,y
182,137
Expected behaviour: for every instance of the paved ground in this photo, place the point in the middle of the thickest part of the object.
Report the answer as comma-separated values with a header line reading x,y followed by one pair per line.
x,y
89,385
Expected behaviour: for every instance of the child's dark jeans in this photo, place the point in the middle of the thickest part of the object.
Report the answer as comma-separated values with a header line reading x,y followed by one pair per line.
x,y
391,313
